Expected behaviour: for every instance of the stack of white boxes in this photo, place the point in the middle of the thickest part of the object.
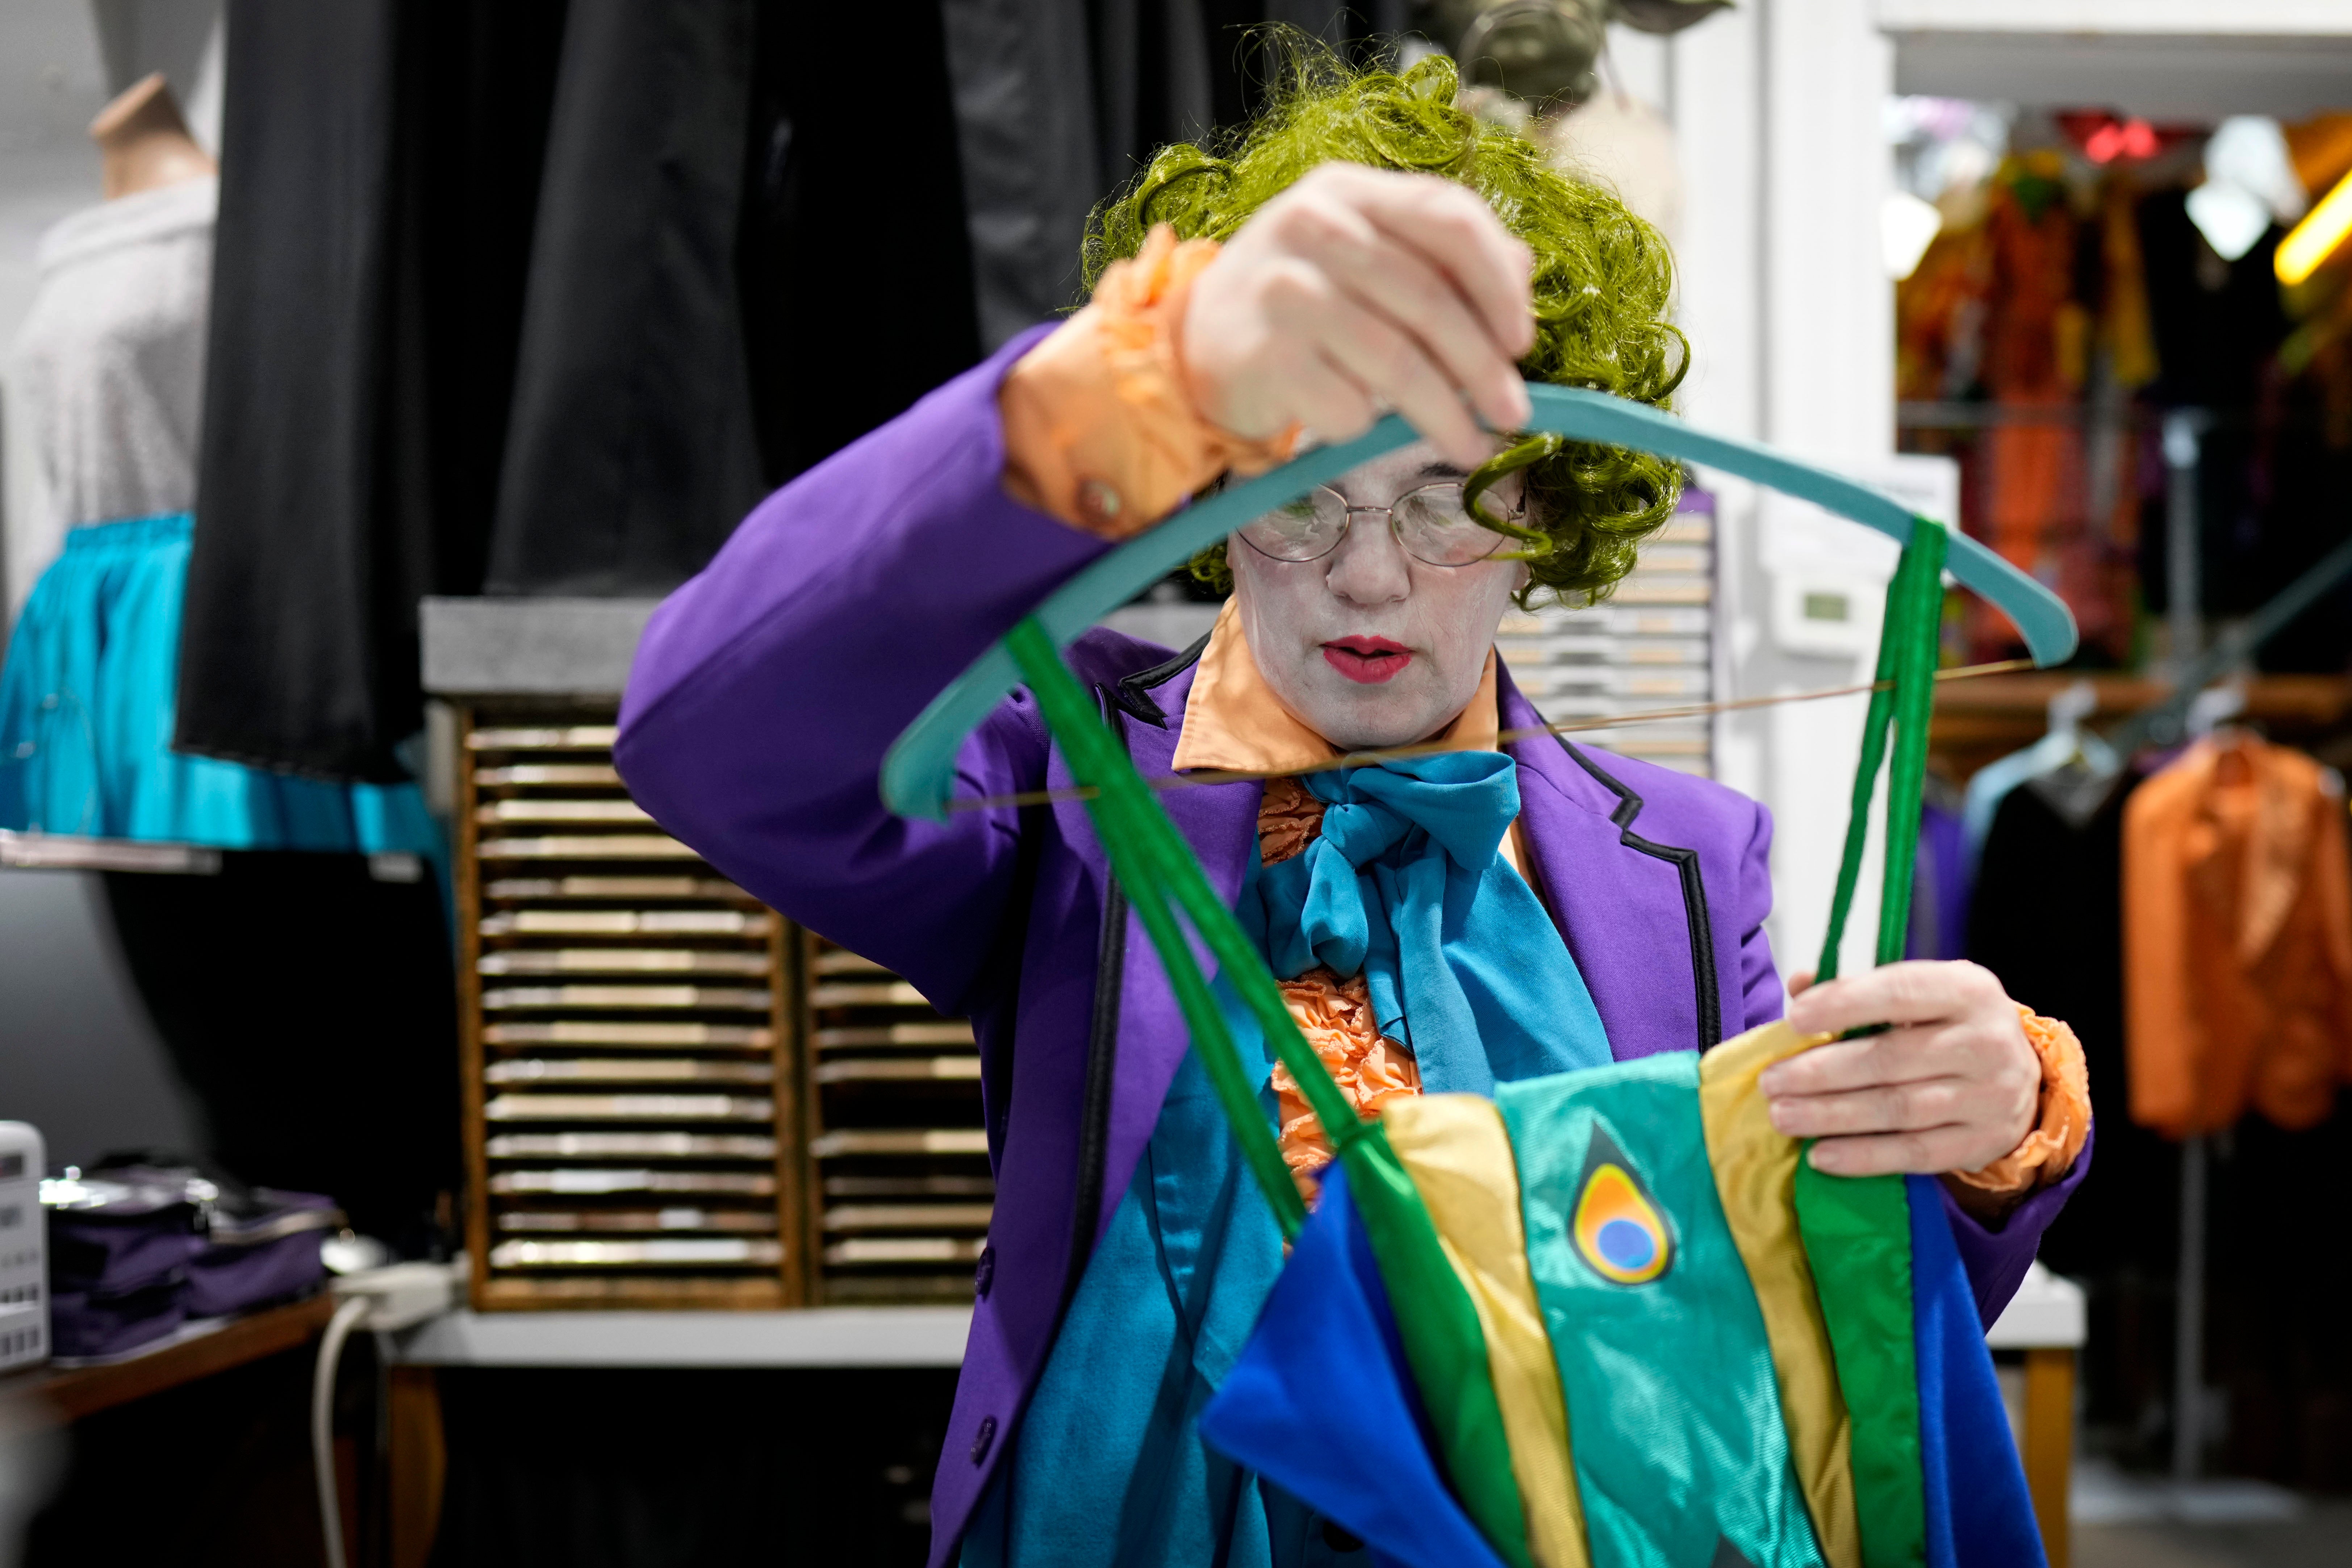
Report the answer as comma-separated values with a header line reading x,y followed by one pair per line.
x,y
23,1251
1650,645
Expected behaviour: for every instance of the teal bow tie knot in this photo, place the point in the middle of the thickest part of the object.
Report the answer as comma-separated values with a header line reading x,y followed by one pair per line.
x,y
1404,885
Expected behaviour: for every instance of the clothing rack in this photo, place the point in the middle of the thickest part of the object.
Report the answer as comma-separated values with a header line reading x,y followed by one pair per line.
x,y
2164,723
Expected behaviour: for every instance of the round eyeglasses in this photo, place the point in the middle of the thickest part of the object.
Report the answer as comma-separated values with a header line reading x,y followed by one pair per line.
x,y
1431,524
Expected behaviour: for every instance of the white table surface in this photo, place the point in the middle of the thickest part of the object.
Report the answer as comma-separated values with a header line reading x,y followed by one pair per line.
x,y
814,1336
2046,1313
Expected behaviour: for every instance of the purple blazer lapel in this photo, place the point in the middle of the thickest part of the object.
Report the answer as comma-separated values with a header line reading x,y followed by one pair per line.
x,y
1631,908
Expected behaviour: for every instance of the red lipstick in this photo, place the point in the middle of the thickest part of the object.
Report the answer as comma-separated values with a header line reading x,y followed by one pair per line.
x,y
1368,660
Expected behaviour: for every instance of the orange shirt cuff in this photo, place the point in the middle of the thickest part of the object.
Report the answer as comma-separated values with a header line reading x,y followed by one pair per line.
x,y
1100,427
2048,1151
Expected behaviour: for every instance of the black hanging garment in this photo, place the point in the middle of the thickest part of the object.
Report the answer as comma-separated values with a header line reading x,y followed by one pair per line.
x,y
379,182
533,297
632,455
288,584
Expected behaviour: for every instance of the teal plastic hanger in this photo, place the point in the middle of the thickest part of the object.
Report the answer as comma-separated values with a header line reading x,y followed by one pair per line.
x,y
918,774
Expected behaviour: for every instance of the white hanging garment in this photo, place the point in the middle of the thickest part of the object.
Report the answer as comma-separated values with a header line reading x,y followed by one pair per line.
x,y
106,381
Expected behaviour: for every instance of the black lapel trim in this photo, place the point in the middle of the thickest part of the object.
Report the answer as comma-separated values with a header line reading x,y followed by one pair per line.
x,y
1102,1064
1133,692
1685,861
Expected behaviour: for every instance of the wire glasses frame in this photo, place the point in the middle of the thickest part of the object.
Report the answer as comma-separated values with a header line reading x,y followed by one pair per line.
x,y
1432,523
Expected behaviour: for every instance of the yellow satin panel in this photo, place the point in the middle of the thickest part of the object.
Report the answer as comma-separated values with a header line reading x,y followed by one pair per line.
x,y
1459,1156
1756,1174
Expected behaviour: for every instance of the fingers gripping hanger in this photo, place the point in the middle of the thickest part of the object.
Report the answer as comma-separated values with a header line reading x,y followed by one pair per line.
x,y
1435,1319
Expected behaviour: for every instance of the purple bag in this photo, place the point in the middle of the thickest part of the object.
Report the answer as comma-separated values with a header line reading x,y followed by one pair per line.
x,y
90,1323
261,1245
136,1249
118,1251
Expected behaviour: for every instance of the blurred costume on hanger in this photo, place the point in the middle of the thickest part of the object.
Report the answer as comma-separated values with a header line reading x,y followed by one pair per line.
x,y
2238,939
108,374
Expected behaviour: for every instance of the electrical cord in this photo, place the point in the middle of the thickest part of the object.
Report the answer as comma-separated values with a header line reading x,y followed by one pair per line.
x,y
347,1317
400,1296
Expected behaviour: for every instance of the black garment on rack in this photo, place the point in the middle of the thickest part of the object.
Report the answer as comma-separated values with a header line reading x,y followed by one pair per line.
x,y
846,202
432,376
379,180
288,584
1058,102
632,455
2047,917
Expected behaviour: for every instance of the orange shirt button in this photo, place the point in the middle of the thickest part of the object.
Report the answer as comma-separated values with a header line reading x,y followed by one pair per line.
x,y
1099,504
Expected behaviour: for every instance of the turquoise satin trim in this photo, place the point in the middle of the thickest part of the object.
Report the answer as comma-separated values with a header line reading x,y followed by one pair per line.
x,y
1404,882
1108,1469
88,697
918,774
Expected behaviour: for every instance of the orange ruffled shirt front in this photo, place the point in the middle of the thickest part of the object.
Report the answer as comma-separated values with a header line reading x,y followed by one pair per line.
x,y
1100,430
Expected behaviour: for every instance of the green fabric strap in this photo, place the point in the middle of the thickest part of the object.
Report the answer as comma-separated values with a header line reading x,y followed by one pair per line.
x,y
1904,697
1857,1236
1435,1319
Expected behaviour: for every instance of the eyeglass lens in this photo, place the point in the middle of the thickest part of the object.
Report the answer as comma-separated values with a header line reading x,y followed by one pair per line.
x,y
1433,524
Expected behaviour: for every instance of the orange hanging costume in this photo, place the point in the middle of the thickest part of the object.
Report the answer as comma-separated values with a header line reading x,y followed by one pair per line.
x,y
2237,940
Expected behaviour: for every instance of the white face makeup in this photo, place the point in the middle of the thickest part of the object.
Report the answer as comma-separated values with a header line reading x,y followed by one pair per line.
x,y
1368,645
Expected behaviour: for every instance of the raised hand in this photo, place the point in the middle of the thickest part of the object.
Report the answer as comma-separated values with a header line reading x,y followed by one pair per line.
x,y
1360,290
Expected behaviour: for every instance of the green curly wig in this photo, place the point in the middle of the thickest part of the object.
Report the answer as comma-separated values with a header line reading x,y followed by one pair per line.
x,y
1603,278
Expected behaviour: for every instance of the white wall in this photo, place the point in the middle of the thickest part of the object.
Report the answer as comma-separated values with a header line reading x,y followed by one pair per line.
x,y
1776,107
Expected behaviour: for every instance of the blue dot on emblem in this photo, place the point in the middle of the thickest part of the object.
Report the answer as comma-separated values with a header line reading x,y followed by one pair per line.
x,y
1626,1245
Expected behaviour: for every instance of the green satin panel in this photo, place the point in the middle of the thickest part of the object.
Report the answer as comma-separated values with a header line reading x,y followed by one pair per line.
x,y
1858,1234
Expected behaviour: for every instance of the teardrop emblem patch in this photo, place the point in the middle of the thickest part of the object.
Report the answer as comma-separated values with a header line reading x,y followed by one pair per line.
x,y
1618,1230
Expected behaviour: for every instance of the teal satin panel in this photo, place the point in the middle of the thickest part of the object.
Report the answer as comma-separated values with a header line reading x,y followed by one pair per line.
x,y
1676,1373
1405,883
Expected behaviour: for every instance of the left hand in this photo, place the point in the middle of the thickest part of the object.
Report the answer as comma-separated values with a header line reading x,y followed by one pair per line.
x,y
1952,1086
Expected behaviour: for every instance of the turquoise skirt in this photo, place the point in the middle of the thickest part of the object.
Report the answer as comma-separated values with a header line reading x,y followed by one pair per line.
x,y
87,702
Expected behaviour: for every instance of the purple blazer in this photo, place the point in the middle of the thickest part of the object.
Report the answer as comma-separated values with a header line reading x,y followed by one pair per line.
x,y
768,688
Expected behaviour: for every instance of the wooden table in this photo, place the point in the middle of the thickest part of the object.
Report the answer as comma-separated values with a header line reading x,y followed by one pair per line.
x,y
61,1394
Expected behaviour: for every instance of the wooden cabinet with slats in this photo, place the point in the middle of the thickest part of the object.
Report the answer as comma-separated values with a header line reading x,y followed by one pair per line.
x,y
632,1042
899,1182
674,1097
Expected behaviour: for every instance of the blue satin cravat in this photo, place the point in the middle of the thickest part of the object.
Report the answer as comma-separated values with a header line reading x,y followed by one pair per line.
x,y
1406,884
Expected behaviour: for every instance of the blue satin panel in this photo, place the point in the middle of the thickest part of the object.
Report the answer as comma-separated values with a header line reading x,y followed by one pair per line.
x,y
1323,1404
1979,1513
